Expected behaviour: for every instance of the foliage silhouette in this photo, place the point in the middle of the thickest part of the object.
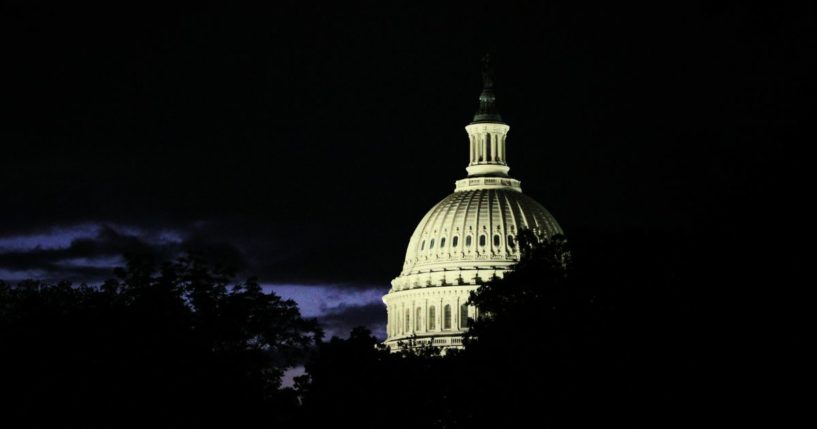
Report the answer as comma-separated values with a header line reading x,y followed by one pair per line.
x,y
358,382
606,331
603,339
175,345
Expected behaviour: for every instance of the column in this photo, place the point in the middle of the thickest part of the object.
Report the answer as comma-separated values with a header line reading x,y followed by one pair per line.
x,y
425,314
440,316
413,315
494,143
478,139
458,314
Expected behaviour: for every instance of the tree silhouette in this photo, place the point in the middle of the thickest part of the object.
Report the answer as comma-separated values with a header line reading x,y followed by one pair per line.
x,y
522,358
603,332
359,383
180,344
579,343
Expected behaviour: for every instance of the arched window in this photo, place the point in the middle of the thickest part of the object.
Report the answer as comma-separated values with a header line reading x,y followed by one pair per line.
x,y
464,316
482,240
496,240
431,244
407,326
454,241
442,242
468,241
418,319
511,242
423,245
447,317
432,318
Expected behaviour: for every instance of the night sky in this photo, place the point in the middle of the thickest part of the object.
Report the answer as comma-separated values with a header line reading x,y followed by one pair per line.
x,y
303,142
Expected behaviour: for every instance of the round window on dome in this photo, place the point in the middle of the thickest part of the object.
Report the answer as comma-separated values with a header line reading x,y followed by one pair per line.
x,y
431,244
423,245
442,242
454,241
482,240
496,240
468,241
511,242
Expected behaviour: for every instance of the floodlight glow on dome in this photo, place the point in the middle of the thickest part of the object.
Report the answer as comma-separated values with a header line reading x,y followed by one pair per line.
x,y
427,301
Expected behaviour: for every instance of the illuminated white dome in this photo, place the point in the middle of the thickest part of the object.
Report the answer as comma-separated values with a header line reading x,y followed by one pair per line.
x,y
474,227
465,240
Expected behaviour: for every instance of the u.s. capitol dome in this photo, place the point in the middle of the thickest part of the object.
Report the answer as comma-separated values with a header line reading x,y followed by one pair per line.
x,y
465,240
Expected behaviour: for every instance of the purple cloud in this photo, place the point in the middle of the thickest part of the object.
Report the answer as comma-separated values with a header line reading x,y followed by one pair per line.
x,y
88,253
338,309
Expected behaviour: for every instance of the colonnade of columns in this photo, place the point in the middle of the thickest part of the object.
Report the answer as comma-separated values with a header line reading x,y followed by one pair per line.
x,y
426,316
487,148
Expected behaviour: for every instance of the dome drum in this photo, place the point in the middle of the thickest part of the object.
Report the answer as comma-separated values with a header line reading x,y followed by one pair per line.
x,y
451,277
430,315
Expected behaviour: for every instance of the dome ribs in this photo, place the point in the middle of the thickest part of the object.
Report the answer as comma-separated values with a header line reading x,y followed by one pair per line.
x,y
459,215
522,214
433,235
442,227
414,242
465,217
503,243
479,222
478,212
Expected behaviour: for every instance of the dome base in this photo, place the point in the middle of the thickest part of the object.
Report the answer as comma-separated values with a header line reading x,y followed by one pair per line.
x,y
488,183
436,316
488,170
440,341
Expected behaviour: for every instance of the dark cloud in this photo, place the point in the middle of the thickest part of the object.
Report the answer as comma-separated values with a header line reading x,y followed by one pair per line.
x,y
302,253
89,252
107,243
92,258
222,252
342,319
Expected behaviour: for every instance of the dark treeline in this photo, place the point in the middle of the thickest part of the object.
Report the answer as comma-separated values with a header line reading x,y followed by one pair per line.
x,y
178,345
597,334
635,328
